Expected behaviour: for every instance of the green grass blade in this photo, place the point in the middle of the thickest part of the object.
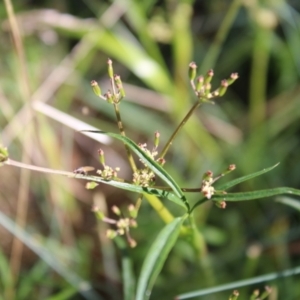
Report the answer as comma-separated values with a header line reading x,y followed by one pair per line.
x,y
241,283
256,194
83,287
156,257
244,178
128,277
6,277
153,165
289,201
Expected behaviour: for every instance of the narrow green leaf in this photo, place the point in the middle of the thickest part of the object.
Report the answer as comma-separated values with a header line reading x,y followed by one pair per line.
x,y
153,165
244,178
289,201
256,194
32,242
135,188
127,269
156,257
7,281
241,283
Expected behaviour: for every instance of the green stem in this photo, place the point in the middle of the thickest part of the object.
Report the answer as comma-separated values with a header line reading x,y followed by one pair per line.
x,y
122,131
160,208
215,48
258,79
169,143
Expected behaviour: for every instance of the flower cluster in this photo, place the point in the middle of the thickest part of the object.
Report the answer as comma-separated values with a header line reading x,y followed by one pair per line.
x,y
145,177
207,188
117,92
122,225
108,173
202,87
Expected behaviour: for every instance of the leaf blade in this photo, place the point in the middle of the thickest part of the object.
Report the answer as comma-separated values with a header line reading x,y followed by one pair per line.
x,y
153,165
135,188
259,194
244,178
156,256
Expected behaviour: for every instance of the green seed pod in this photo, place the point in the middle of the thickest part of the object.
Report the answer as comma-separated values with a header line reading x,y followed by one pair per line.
x,y
156,139
132,211
208,175
101,157
110,69
116,210
111,233
91,185
99,214
109,97
207,88
233,78
208,77
119,85
3,154
96,88
223,87
199,83
234,295
192,71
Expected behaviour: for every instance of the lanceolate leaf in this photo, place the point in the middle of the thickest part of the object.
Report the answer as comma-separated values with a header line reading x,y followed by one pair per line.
x,y
244,178
134,188
156,257
153,165
256,194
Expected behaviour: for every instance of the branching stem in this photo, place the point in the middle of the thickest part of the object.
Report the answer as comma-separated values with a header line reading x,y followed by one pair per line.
x,y
182,123
122,131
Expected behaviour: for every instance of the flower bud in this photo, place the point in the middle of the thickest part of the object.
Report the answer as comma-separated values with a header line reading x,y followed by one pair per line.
x,y
99,214
266,293
109,97
161,161
221,204
156,139
96,88
111,234
208,77
101,157
223,87
231,167
208,175
116,210
192,71
207,88
119,85
233,78
132,211
3,154
199,83
234,295
91,185
132,243
110,69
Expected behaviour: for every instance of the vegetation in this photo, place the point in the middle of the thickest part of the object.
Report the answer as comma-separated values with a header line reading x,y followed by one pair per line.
x,y
197,249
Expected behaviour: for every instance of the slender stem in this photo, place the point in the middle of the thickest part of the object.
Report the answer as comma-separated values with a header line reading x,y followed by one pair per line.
x,y
213,52
112,82
169,143
35,168
160,208
122,131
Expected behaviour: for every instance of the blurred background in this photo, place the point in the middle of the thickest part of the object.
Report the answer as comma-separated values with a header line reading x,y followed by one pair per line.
x,y
52,246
